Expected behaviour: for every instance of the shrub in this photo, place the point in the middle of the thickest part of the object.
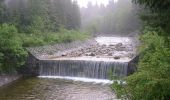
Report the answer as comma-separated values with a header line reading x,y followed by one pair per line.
x,y
63,35
151,81
11,52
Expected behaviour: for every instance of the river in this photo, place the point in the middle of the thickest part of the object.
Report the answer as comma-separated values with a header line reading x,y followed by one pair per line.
x,y
55,89
80,74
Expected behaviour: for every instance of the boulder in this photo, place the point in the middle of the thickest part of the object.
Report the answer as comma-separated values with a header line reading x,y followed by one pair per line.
x,y
117,57
119,44
92,54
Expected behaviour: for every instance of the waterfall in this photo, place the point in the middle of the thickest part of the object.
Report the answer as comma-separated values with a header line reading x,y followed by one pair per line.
x,y
83,69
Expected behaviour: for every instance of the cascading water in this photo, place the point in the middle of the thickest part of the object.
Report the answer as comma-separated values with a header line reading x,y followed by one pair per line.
x,y
107,57
85,69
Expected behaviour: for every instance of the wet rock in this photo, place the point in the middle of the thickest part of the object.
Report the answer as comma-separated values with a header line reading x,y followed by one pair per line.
x,y
87,54
119,44
64,54
131,55
97,56
92,54
120,48
111,45
117,57
110,54
104,45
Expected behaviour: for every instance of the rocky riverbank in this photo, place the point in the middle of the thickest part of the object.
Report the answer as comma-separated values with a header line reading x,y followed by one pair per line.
x,y
101,47
43,52
6,79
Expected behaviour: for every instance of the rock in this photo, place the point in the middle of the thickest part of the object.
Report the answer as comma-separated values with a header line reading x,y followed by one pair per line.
x,y
86,54
117,57
120,49
119,44
97,56
104,45
111,45
64,54
110,54
131,55
92,54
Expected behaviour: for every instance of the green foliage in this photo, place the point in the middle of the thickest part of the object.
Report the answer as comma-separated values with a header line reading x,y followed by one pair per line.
x,y
38,16
155,5
118,18
12,55
157,13
35,23
63,35
151,81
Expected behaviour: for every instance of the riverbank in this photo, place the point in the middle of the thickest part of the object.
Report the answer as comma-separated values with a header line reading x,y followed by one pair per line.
x,y
6,79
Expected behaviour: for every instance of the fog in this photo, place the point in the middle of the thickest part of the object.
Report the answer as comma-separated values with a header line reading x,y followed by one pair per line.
x,y
84,3
120,18
117,17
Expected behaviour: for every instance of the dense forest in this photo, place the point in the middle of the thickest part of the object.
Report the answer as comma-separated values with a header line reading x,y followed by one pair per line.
x,y
151,81
30,16
25,23
117,18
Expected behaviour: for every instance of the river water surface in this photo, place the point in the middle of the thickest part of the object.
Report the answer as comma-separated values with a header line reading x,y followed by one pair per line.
x,y
55,89
109,54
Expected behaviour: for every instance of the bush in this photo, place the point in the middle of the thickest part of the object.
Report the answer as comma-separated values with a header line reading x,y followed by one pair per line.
x,y
151,81
63,35
12,55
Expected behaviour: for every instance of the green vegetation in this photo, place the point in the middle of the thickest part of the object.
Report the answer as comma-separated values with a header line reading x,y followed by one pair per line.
x,y
35,16
25,23
61,36
118,18
12,44
12,53
151,81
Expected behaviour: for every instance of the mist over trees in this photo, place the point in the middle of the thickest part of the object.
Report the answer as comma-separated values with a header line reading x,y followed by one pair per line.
x,y
118,18
151,81
25,23
32,16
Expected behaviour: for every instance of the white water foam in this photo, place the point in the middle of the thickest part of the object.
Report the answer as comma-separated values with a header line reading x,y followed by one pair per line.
x,y
88,80
113,40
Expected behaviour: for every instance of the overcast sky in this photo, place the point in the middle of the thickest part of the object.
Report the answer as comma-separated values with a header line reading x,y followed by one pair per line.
x,y
83,3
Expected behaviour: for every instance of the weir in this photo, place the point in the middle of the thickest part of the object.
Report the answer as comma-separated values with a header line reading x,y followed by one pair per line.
x,y
83,69
101,59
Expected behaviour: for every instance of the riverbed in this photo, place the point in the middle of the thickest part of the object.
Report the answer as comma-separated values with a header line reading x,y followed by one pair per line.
x,y
55,89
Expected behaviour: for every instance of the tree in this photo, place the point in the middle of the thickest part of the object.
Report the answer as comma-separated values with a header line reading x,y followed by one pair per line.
x,y
38,16
159,14
116,18
10,49
151,81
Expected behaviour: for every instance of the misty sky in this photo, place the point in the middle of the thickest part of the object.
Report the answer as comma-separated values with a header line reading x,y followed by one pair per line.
x,y
83,3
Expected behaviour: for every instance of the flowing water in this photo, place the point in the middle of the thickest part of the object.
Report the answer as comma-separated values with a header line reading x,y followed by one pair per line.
x,y
85,69
99,61
55,89
66,78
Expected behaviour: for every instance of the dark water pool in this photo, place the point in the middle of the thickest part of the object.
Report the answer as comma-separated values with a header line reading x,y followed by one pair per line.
x,y
55,89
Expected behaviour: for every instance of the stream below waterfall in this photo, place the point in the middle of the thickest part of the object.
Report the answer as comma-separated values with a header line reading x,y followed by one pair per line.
x,y
75,74
55,89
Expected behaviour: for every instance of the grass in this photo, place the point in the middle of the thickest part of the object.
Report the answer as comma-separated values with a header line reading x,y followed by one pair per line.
x,y
63,35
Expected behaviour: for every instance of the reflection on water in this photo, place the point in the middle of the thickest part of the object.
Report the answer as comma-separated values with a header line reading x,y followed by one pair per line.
x,y
55,89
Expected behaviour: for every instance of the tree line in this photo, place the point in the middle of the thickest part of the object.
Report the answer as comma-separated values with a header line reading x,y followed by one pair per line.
x,y
118,18
25,23
31,16
151,81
